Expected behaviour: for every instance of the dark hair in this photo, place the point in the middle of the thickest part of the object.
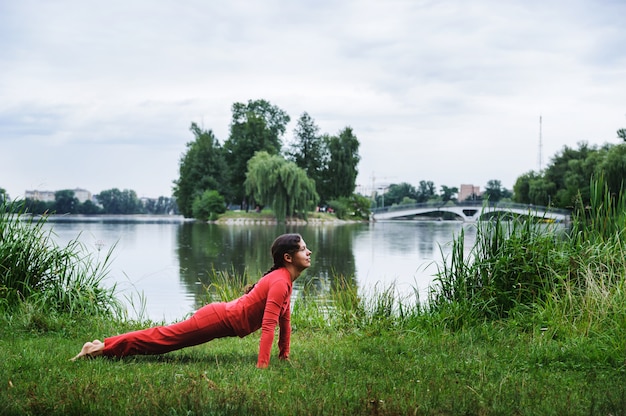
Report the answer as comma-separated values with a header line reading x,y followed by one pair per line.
x,y
283,244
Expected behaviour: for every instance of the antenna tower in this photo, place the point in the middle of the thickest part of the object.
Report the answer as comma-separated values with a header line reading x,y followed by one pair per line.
x,y
540,147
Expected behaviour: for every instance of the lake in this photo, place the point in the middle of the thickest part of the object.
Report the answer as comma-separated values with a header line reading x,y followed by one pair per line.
x,y
165,262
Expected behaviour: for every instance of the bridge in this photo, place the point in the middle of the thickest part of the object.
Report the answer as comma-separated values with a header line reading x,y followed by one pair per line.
x,y
468,211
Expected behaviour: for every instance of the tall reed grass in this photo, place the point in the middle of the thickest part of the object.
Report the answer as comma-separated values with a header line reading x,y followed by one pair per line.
x,y
535,272
36,270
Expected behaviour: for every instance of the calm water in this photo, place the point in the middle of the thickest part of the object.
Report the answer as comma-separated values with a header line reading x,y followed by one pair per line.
x,y
168,261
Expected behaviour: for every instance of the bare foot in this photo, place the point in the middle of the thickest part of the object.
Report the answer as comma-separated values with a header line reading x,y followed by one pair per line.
x,y
90,350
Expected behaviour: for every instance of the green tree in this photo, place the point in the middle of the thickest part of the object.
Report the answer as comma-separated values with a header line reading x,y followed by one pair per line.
x,y
160,206
540,192
35,206
256,126
118,202
130,202
448,194
272,180
208,205
65,202
355,207
495,192
339,176
571,171
201,168
621,133
111,201
89,208
613,168
521,188
396,193
308,150
426,190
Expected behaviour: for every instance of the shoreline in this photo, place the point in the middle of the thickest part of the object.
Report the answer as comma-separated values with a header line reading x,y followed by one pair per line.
x,y
288,221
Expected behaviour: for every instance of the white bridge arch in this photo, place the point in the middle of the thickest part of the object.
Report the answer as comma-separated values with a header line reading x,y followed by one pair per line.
x,y
469,211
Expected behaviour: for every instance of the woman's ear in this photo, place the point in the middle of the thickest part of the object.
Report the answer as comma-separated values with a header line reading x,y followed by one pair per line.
x,y
287,257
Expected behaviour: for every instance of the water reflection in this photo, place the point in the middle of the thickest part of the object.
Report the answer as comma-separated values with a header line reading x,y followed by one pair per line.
x,y
171,262
240,249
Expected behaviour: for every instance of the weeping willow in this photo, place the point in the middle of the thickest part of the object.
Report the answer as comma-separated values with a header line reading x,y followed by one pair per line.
x,y
271,180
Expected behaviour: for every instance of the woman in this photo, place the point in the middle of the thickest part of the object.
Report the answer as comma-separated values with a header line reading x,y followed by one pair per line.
x,y
264,306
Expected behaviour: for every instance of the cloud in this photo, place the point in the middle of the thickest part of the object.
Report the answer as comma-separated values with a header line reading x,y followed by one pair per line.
x,y
448,91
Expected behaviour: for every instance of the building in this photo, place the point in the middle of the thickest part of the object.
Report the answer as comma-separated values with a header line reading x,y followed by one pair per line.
x,y
467,191
82,195
48,196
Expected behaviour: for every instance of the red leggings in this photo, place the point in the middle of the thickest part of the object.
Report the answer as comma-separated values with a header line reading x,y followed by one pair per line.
x,y
205,325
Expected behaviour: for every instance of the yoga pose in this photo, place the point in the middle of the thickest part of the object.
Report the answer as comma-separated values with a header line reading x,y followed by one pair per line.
x,y
265,305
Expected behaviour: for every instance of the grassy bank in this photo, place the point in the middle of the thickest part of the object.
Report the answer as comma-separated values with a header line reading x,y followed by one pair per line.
x,y
267,217
494,368
528,321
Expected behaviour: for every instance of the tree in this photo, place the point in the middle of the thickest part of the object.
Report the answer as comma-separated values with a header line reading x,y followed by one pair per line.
x,y
354,207
201,168
272,180
621,133
339,176
425,191
540,192
396,193
114,201
613,168
448,194
256,126
521,188
65,202
307,149
494,191
160,206
571,171
89,208
208,205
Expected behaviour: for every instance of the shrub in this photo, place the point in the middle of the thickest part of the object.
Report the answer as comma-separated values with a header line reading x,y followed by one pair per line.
x,y
208,205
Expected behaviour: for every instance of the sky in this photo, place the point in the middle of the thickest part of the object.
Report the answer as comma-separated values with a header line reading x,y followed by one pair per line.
x,y
101,95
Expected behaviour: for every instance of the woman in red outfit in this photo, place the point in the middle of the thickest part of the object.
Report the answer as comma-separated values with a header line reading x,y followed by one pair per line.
x,y
264,306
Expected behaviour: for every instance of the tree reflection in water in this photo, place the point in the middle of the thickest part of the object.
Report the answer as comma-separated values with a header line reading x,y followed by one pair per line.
x,y
204,249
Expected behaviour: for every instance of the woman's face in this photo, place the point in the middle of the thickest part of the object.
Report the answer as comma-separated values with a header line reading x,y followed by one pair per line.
x,y
301,259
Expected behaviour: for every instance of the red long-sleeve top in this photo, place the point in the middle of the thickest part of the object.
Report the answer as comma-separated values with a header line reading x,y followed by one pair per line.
x,y
265,306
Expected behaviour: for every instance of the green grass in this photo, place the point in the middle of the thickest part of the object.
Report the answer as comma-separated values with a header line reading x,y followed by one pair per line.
x,y
488,369
267,215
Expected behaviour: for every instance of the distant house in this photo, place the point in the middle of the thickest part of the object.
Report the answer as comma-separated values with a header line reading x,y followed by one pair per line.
x,y
82,195
48,196
467,191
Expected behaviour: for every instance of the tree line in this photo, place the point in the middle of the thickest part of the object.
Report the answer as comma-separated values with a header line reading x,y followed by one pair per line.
x,y
405,194
566,179
569,175
254,168
111,201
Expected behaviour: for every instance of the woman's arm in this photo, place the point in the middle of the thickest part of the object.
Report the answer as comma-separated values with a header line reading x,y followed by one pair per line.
x,y
284,338
276,297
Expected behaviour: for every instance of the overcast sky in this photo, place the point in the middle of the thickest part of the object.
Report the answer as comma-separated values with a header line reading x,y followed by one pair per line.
x,y
100,95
